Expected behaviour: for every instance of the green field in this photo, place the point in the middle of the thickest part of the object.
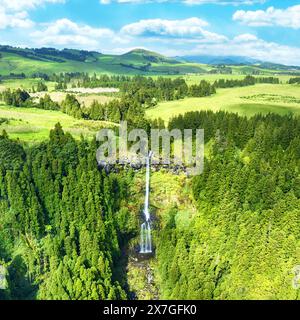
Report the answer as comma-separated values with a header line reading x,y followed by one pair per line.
x,y
26,84
190,79
33,125
261,98
137,61
196,78
30,124
130,63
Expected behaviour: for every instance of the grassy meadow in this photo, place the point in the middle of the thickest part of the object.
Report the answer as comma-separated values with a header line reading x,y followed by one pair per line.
x,y
261,98
131,63
194,79
33,125
86,99
57,96
25,84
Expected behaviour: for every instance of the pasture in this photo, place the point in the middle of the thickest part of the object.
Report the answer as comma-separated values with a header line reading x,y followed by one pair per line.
x,y
25,84
83,95
261,98
196,78
33,125
86,99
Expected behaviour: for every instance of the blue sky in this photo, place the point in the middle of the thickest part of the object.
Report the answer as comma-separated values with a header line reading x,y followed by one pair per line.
x,y
262,29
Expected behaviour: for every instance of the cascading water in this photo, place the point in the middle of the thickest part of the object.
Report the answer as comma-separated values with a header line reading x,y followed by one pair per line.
x,y
146,245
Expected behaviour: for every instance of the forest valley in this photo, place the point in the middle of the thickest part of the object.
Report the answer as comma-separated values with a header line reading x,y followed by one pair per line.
x,y
68,228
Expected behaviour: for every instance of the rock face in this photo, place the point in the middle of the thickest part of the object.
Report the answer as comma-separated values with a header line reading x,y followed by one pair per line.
x,y
140,271
138,165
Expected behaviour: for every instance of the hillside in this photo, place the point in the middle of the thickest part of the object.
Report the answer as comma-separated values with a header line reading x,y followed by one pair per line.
x,y
138,61
217,60
50,60
247,101
239,61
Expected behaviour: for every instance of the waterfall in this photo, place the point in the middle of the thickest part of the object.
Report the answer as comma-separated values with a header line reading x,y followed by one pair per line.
x,y
146,245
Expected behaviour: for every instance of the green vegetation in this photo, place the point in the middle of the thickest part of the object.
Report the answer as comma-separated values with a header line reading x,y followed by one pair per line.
x,y
244,241
26,84
18,62
295,80
62,231
16,98
247,81
33,125
31,61
70,230
137,94
235,100
230,233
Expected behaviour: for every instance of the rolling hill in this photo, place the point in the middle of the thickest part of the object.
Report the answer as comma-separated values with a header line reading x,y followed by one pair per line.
x,y
29,61
218,60
239,61
50,60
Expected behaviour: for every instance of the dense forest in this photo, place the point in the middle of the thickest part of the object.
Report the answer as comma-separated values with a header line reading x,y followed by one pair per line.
x,y
64,222
247,81
49,54
244,241
295,80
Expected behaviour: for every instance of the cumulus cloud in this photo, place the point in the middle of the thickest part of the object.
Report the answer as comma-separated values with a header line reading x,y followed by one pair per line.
x,y
14,13
249,45
289,17
192,28
190,36
187,27
224,2
65,32
18,5
170,37
14,20
190,2
246,37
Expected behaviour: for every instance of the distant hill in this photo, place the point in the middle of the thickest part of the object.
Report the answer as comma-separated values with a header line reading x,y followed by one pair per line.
x,y
149,56
14,60
50,60
220,60
238,61
276,66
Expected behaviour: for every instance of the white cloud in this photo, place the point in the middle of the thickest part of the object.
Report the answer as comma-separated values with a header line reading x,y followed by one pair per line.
x,y
250,46
289,17
190,2
18,5
246,37
65,32
192,28
14,13
190,36
14,20
171,37
224,2
187,27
